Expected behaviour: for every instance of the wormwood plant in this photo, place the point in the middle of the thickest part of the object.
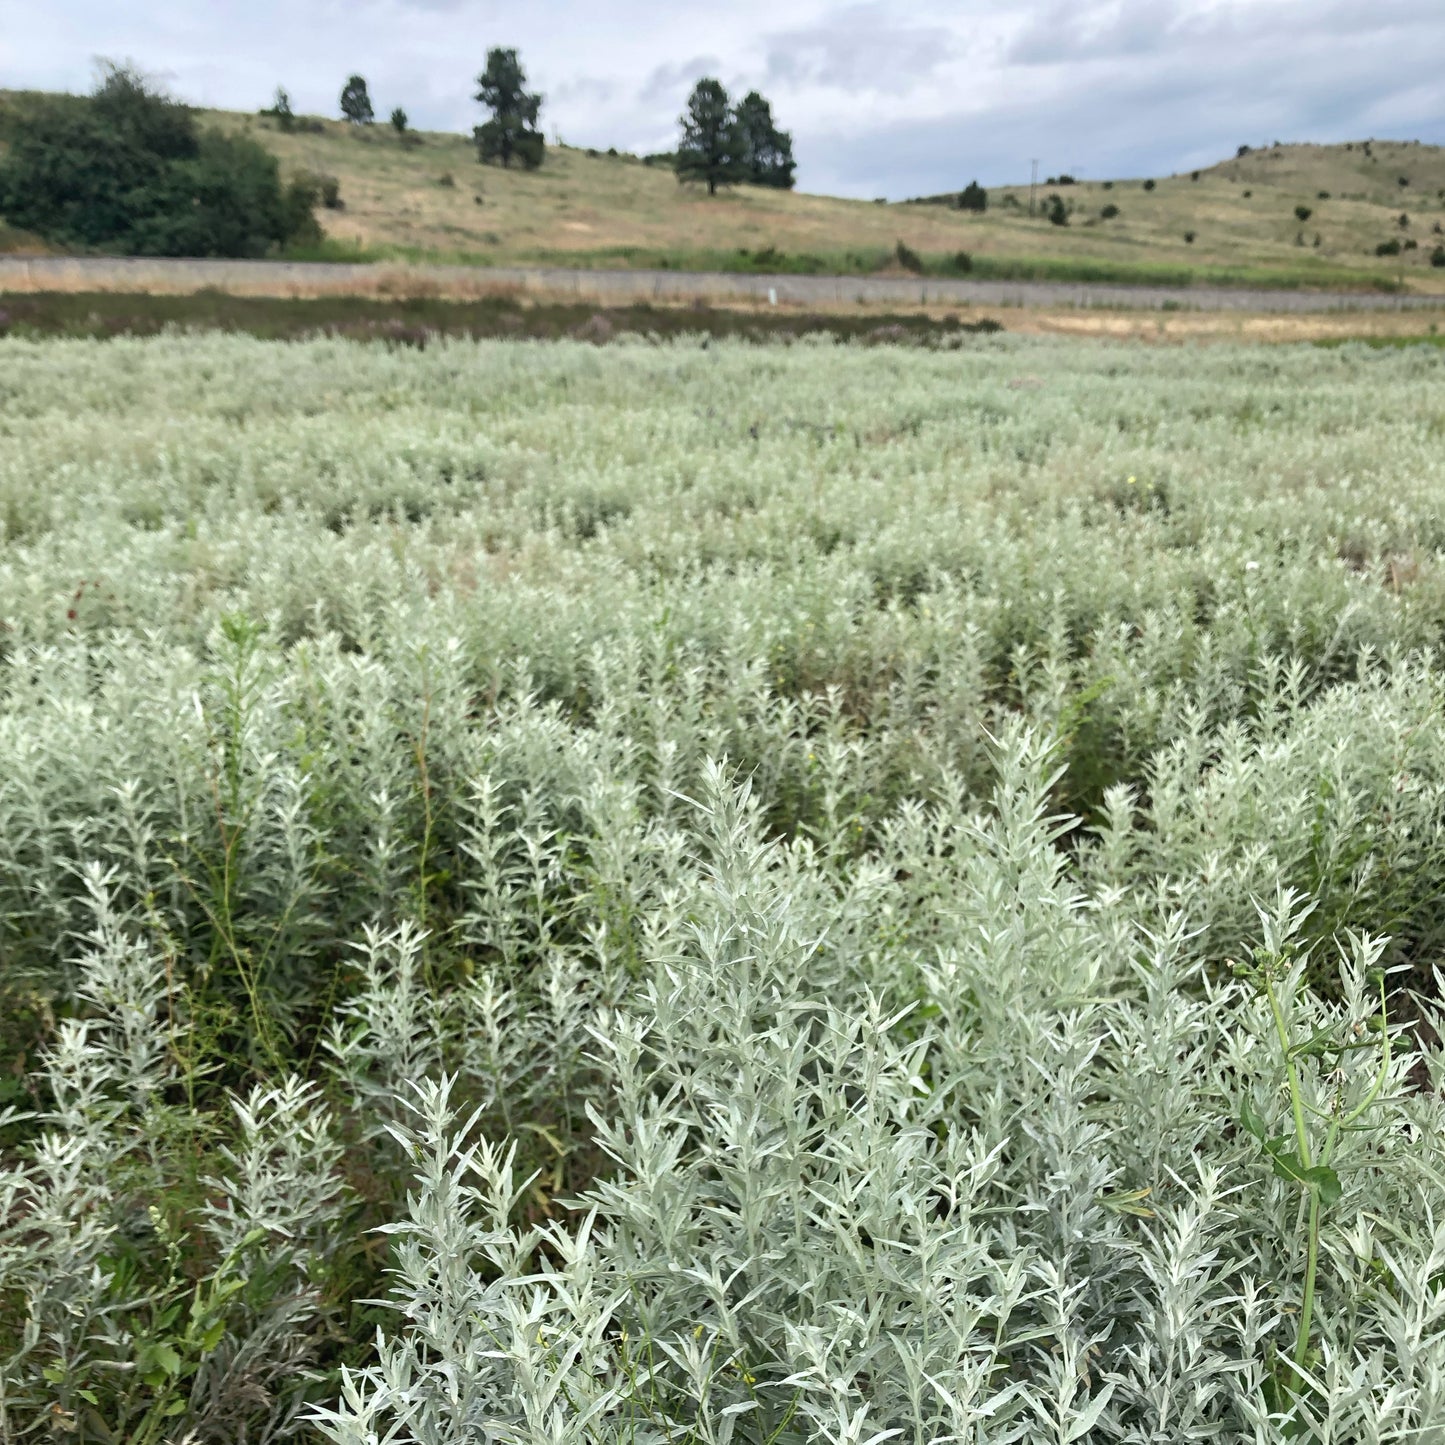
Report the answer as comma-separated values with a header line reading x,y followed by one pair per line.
x,y
682,895
1303,1156
115,1327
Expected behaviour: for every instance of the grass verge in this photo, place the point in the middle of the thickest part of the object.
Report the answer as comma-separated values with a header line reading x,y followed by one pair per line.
x,y
411,321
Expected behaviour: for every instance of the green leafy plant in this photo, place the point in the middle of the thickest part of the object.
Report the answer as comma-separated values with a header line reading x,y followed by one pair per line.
x,y
1304,1155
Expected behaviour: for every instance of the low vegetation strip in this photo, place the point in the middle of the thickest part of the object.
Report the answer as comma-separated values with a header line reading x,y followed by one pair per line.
x,y
21,274
756,894
418,321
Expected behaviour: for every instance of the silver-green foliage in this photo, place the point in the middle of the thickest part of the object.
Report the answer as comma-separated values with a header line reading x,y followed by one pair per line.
x,y
640,790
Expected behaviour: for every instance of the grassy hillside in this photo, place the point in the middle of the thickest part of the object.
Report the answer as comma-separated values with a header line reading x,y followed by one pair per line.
x,y
426,197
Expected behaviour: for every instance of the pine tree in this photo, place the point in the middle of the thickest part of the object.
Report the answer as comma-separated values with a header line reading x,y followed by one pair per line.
x,y
281,109
512,131
767,152
712,144
355,102
973,197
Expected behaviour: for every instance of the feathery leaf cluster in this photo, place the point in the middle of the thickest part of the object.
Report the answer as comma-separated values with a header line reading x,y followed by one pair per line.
x,y
679,894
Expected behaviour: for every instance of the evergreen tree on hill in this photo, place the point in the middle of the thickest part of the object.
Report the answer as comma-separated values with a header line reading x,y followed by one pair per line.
x,y
767,152
973,197
356,102
512,132
713,147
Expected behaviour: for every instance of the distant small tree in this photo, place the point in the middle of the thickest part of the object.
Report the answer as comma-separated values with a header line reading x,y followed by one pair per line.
x,y
1303,213
1149,184
1243,150
765,152
1437,256
711,148
1109,212
281,109
1056,211
908,258
398,121
512,132
356,103
973,197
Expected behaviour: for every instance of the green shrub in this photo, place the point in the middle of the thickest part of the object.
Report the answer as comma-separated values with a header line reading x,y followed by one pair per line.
x,y
907,257
1149,184
1437,256
326,189
1388,248
126,170
1056,211
974,198
1109,212
1302,213
1189,238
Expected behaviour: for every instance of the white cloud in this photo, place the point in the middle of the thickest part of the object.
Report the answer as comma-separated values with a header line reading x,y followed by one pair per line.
x,y
880,99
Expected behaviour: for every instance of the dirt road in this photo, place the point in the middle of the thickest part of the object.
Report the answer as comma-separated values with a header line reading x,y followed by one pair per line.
x,y
294,278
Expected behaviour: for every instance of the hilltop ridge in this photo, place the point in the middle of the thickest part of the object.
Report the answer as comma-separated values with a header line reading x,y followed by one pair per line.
x,y
1298,214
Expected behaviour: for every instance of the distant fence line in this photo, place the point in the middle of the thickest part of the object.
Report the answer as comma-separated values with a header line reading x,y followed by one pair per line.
x,y
315,278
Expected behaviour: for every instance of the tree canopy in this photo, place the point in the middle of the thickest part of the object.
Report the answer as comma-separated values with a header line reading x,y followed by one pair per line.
x,y
722,144
512,132
356,101
712,148
766,153
126,170
973,197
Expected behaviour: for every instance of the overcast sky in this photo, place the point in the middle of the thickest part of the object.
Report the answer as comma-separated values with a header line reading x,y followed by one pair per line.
x,y
882,98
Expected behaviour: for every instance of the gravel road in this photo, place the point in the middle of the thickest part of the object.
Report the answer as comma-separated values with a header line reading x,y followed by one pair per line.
x,y
286,278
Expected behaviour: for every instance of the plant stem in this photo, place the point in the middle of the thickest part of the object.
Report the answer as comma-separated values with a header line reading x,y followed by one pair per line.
x,y
1312,1259
1296,1098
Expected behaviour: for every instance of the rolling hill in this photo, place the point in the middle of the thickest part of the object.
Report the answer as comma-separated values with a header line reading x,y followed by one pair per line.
x,y
424,197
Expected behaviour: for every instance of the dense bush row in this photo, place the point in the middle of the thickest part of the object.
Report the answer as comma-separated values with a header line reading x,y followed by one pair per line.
x,y
127,170
801,909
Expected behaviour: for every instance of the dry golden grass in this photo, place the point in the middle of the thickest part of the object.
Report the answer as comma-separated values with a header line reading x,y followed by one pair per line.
x,y
431,199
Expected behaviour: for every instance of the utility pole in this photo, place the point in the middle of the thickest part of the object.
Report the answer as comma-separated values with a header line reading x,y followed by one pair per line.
x,y
1033,185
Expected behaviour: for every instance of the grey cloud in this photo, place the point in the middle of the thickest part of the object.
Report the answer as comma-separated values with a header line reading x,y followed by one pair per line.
x,y
1166,117
668,82
1216,35
861,48
880,100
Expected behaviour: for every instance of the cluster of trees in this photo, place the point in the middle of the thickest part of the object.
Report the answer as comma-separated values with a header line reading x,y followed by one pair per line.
x,y
356,105
723,144
127,169
512,134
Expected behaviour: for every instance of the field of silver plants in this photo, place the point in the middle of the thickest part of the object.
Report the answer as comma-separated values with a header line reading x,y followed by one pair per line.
x,y
721,894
